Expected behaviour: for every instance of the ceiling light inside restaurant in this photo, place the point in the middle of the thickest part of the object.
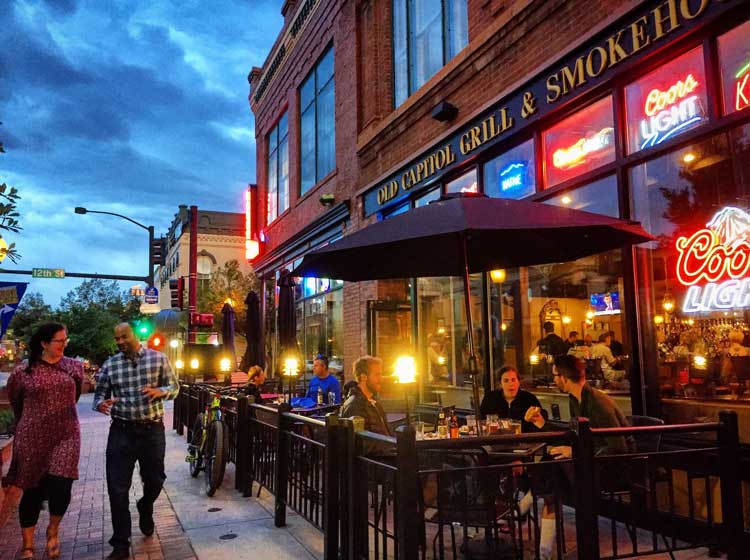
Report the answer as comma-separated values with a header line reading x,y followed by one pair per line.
x,y
567,319
566,199
688,157
658,319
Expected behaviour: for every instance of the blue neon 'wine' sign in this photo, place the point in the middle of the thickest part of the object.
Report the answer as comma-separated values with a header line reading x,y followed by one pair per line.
x,y
514,177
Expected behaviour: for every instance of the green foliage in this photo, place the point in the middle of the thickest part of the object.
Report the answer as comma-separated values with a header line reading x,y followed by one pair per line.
x,y
7,421
9,216
227,282
31,312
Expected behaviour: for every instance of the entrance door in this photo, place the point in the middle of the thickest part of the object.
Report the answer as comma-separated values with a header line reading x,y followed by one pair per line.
x,y
389,331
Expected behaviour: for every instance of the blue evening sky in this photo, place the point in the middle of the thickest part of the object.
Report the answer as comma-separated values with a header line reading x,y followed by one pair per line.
x,y
127,106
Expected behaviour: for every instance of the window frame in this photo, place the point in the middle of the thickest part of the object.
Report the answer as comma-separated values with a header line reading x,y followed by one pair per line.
x,y
276,151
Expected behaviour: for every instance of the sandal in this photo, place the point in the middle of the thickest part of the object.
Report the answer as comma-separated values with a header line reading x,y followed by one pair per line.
x,y
53,545
26,554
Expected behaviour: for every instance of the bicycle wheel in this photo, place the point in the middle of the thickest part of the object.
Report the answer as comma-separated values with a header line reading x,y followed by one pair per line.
x,y
195,456
216,460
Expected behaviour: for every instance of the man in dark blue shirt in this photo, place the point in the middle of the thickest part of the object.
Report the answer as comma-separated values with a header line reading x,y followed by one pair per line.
x,y
324,381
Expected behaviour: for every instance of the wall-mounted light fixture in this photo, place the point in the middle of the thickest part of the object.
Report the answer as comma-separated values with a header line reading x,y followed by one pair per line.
x,y
444,111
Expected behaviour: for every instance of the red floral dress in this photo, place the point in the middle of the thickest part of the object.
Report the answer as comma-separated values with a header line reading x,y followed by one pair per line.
x,y
48,435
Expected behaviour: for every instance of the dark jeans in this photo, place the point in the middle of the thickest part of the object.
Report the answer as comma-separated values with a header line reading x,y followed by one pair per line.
x,y
125,446
55,489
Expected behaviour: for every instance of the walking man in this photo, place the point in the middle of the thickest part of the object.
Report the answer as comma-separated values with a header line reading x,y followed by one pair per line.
x,y
132,387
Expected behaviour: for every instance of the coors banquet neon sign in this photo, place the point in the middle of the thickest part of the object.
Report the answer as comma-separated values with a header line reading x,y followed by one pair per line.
x,y
714,263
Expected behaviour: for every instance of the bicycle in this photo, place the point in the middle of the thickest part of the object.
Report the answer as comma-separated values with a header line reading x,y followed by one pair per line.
x,y
209,448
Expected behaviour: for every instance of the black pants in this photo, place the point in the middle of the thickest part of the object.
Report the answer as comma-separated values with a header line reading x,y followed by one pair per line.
x,y
54,489
125,446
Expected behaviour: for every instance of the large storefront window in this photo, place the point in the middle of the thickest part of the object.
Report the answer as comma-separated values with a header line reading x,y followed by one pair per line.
x,y
599,197
734,56
466,183
320,320
511,175
696,313
667,102
579,143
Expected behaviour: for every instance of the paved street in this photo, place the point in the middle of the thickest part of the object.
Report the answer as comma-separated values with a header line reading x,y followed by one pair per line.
x,y
188,524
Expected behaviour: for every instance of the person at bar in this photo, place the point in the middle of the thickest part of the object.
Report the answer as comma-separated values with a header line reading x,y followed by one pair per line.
x,y
572,340
323,382
551,343
513,402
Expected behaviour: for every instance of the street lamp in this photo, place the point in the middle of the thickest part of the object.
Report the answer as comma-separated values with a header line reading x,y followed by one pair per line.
x,y
150,229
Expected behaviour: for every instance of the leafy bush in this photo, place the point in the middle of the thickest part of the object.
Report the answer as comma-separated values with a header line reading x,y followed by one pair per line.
x,y
7,421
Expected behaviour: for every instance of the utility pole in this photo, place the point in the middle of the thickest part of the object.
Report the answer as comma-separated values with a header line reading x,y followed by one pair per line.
x,y
193,272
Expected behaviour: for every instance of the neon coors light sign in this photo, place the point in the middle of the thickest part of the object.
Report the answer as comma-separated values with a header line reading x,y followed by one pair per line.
x,y
714,263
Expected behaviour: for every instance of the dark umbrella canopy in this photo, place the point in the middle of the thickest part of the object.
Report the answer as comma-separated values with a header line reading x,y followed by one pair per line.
x,y
287,316
253,355
499,233
227,327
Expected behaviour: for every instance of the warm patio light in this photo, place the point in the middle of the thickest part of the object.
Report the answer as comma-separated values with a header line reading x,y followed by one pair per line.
x,y
194,363
498,275
406,369
291,367
174,343
699,362
179,364
534,359
225,364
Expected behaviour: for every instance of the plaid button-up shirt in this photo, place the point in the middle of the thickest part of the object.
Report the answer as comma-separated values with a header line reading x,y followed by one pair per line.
x,y
123,379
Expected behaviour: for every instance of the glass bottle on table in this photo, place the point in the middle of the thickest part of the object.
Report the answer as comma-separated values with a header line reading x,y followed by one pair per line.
x,y
453,426
442,427
320,396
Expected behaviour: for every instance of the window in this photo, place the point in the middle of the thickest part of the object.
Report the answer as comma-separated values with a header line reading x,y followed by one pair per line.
x,y
734,55
278,169
426,35
580,143
512,174
666,102
425,199
317,124
466,183
599,197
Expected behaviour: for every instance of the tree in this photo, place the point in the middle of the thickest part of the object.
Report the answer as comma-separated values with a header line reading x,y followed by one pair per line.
x,y
91,312
31,312
227,282
9,217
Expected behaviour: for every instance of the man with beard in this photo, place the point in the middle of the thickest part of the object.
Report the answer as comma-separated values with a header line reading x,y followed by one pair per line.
x,y
132,387
362,401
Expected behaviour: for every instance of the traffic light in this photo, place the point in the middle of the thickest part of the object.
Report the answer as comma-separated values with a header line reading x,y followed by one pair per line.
x,y
176,292
143,329
158,252
156,341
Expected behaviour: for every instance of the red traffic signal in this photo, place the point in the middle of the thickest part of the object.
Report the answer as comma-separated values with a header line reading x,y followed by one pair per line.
x,y
156,341
201,319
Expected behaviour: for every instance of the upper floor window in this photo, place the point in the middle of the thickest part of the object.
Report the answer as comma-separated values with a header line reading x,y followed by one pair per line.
x,y
278,169
426,35
317,118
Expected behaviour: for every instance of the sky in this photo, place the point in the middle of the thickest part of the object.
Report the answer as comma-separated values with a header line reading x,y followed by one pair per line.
x,y
126,106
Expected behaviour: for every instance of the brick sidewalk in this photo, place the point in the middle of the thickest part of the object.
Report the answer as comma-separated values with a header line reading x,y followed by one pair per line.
x,y
87,526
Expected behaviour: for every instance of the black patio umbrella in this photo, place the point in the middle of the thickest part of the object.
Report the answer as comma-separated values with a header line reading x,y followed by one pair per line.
x,y
253,355
227,328
287,317
460,235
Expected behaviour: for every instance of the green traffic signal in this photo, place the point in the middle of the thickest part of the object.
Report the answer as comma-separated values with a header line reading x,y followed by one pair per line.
x,y
143,329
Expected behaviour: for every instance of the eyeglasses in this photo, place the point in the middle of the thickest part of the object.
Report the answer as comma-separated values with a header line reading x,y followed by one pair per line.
x,y
59,340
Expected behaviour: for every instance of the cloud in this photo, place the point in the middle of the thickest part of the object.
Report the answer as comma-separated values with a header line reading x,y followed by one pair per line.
x,y
130,107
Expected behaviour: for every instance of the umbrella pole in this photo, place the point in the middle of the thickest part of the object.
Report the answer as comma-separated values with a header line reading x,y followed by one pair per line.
x,y
473,372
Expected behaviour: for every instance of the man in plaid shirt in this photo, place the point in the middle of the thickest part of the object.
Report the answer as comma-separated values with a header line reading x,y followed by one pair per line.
x,y
132,387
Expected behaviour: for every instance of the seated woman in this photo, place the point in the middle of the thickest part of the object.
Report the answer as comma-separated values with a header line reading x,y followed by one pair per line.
x,y
256,377
513,402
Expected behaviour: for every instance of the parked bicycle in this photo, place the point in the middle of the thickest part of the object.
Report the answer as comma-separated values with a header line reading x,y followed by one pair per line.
x,y
208,450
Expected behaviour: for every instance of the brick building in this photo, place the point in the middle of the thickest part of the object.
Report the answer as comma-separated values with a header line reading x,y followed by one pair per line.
x,y
367,109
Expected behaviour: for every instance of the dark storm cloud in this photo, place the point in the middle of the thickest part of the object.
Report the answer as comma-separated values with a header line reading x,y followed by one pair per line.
x,y
132,107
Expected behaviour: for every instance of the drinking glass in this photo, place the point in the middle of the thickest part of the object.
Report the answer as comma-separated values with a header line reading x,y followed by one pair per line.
x,y
471,423
514,426
493,424
418,429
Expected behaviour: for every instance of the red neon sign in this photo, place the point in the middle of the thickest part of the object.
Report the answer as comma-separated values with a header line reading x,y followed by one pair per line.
x,y
658,100
742,100
721,251
252,248
565,158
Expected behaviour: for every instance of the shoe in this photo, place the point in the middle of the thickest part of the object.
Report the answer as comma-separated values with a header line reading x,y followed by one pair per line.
x,y
53,545
119,554
145,519
525,503
26,554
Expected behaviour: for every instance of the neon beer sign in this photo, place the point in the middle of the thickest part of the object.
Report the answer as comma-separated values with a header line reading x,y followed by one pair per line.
x,y
566,158
714,263
670,111
742,98
513,177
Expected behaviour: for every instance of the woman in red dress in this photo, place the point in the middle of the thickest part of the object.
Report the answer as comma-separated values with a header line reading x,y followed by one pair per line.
x,y
43,392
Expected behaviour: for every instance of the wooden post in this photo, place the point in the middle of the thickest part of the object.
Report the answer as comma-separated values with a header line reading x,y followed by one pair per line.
x,y
331,509
282,467
586,490
731,486
407,499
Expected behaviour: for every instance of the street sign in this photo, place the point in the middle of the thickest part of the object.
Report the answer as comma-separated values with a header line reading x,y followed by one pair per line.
x,y
47,273
152,295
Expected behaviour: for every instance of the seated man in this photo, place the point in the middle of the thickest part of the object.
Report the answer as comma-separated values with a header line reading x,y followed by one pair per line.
x,y
323,382
513,402
602,351
362,401
256,377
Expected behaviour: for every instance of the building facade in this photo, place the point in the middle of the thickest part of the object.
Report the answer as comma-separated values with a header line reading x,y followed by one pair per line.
x,y
638,110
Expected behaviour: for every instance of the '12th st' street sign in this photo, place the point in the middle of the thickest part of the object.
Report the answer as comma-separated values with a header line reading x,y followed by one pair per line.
x,y
48,273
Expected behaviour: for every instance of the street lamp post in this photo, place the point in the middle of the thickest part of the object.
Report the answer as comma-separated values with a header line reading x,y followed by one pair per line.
x,y
150,229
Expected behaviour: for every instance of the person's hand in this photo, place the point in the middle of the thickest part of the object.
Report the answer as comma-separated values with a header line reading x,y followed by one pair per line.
x,y
105,407
561,452
153,393
534,416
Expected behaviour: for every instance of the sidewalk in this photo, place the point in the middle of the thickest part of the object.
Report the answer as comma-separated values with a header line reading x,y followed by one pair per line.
x,y
188,524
